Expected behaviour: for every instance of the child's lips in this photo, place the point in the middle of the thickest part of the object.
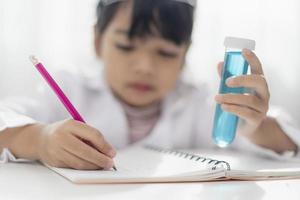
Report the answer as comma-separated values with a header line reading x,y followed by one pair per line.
x,y
141,87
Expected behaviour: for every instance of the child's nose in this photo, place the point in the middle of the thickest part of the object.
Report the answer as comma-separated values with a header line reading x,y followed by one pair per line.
x,y
144,65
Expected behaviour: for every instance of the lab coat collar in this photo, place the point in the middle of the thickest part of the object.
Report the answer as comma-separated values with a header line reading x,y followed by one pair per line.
x,y
173,103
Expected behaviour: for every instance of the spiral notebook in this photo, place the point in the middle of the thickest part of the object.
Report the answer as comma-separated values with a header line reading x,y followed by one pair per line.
x,y
151,164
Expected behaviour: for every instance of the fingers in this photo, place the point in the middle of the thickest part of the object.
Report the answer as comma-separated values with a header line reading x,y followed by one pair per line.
x,y
252,59
255,81
251,107
246,113
250,101
93,136
87,153
220,68
70,160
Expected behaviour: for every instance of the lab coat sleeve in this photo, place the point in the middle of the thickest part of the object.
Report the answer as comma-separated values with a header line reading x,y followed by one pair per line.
x,y
205,110
287,125
21,111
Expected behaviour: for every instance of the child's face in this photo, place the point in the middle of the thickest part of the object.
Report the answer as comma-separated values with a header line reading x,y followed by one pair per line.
x,y
139,71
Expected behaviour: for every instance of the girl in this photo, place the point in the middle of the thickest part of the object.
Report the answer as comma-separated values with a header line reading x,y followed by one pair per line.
x,y
139,96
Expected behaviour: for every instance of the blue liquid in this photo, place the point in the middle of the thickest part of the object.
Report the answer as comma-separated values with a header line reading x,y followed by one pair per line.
x,y
225,123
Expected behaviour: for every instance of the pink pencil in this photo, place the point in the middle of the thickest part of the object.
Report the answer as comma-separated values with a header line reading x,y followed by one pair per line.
x,y
59,93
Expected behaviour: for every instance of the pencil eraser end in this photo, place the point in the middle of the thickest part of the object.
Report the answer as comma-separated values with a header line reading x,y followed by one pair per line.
x,y
34,60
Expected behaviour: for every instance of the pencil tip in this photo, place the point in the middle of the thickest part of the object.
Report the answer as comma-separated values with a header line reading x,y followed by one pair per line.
x,y
33,59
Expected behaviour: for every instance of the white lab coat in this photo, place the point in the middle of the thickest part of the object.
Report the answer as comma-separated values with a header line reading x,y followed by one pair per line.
x,y
186,120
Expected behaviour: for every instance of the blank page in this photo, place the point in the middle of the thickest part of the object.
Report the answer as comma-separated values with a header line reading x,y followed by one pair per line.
x,y
138,164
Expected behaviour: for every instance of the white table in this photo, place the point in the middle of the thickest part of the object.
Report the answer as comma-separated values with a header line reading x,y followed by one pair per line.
x,y
34,181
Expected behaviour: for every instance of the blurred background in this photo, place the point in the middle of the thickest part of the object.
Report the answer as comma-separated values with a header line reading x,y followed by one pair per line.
x,y
60,32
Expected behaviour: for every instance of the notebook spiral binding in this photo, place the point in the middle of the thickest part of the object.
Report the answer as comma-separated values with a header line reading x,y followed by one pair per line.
x,y
215,163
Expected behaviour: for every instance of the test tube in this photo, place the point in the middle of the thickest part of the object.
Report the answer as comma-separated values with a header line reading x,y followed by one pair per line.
x,y
225,123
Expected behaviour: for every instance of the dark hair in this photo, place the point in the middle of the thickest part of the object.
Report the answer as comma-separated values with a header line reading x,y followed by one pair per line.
x,y
172,19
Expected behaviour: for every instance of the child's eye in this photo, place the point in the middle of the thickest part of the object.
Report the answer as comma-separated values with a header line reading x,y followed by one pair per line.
x,y
167,54
126,48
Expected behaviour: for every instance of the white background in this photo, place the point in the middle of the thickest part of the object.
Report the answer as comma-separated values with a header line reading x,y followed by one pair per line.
x,y
60,33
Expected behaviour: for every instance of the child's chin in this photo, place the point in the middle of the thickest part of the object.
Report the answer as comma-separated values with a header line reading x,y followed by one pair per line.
x,y
139,102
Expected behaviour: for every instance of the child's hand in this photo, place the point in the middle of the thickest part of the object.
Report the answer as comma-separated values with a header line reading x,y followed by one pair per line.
x,y
61,145
250,107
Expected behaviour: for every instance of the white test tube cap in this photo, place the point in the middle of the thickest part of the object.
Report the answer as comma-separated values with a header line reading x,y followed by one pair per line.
x,y
239,43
